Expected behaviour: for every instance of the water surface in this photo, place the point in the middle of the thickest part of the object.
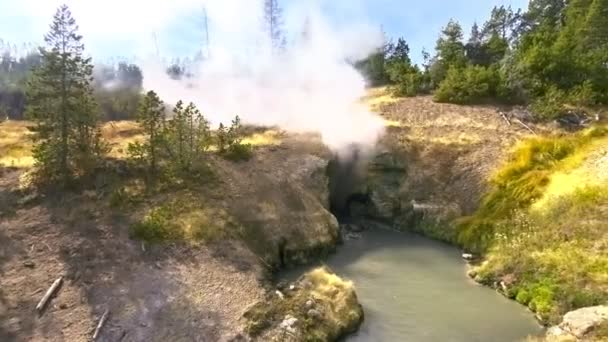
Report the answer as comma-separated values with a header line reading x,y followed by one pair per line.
x,y
416,289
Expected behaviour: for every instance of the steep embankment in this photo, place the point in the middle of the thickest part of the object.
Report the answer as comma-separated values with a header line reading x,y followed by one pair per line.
x,y
180,260
534,206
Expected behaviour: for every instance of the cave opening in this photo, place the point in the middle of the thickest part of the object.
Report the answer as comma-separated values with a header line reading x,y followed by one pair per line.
x,y
347,183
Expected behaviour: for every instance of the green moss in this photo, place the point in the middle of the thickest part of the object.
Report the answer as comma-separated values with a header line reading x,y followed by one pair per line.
x,y
333,298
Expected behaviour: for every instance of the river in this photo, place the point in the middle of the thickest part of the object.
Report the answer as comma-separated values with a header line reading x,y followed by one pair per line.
x,y
416,289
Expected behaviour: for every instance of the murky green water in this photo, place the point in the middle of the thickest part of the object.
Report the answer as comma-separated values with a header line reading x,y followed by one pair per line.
x,y
415,289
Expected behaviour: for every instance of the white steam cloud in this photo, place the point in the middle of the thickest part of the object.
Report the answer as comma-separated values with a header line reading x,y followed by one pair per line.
x,y
309,87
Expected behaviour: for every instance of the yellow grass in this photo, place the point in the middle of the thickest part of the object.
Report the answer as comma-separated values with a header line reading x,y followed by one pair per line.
x,y
379,96
267,138
16,141
15,144
583,170
119,134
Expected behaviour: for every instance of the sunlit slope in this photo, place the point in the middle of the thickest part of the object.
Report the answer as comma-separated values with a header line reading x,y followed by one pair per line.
x,y
544,224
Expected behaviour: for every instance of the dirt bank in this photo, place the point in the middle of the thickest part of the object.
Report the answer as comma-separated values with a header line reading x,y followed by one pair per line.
x,y
265,213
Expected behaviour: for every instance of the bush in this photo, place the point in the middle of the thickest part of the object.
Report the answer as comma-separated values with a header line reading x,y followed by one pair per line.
x,y
551,105
230,142
239,152
157,226
472,84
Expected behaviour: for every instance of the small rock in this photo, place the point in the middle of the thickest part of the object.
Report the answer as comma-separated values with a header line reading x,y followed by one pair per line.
x,y
292,287
504,288
472,274
143,324
580,322
312,313
280,294
288,324
63,306
468,256
29,264
27,199
309,303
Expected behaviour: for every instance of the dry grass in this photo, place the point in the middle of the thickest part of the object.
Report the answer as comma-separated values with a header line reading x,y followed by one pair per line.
x,y
119,135
15,144
271,137
377,97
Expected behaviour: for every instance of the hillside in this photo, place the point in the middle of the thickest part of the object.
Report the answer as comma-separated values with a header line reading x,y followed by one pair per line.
x,y
179,261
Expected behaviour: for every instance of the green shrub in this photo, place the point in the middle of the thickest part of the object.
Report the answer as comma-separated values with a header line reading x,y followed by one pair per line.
x,y
157,226
472,84
239,152
523,297
551,105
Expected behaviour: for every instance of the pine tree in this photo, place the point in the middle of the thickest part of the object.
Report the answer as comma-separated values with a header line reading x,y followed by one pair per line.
x,y
595,27
68,139
450,52
273,21
151,117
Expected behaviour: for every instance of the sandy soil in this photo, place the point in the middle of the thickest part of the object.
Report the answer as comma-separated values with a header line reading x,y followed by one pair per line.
x,y
178,293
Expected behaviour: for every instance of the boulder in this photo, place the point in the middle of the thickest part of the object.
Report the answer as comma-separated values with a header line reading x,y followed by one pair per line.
x,y
580,323
321,297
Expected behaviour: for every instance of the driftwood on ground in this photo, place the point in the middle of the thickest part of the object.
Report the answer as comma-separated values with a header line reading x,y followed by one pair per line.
x,y
526,126
49,293
101,323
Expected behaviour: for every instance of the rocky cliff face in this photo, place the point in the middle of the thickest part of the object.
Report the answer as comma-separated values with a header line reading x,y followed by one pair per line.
x,y
281,201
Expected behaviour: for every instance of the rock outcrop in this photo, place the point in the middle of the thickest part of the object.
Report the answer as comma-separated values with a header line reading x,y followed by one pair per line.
x,y
320,306
579,325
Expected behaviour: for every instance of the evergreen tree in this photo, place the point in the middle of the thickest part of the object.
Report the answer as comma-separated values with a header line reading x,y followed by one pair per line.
x,y
273,21
68,140
406,78
151,117
450,52
473,47
595,27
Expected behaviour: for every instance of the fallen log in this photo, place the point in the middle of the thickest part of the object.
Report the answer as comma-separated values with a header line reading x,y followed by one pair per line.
x,y
101,323
49,293
526,126
505,118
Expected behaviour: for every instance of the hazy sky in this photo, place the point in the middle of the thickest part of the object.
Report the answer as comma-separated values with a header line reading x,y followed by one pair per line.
x,y
126,27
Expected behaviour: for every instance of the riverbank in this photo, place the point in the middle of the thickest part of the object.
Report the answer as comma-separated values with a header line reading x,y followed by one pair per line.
x,y
531,205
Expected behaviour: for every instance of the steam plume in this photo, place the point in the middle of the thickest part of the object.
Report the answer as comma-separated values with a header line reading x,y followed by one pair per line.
x,y
309,87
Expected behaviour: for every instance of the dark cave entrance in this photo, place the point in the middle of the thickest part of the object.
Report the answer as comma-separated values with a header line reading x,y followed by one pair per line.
x,y
347,183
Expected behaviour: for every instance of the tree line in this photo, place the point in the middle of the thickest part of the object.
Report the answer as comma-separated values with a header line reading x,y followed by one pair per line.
x,y
553,57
